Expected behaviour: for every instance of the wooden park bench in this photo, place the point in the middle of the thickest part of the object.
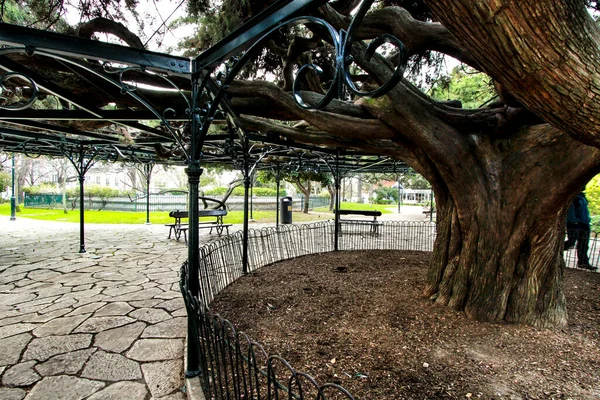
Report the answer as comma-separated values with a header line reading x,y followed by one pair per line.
x,y
219,211
373,224
428,211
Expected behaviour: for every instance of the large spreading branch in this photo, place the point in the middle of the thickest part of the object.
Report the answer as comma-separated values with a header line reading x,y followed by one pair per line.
x,y
416,35
545,52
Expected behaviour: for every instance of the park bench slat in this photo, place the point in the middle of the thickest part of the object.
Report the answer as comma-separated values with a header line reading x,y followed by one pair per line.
x,y
373,224
179,228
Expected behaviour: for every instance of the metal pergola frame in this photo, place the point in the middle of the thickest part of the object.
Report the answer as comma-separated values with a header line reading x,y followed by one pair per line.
x,y
150,131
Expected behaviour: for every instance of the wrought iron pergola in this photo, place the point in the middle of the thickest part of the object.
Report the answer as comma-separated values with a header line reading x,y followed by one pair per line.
x,y
56,93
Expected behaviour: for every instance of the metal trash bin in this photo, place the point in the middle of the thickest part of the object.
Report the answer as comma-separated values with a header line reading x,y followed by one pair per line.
x,y
285,210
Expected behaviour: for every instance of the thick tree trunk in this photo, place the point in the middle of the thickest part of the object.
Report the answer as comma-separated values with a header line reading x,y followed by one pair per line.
x,y
499,263
498,251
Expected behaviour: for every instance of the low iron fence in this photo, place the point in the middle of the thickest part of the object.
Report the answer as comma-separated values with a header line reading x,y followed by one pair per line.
x,y
582,249
161,202
231,364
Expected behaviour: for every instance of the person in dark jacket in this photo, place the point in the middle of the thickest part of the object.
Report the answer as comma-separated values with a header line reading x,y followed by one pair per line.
x,y
578,230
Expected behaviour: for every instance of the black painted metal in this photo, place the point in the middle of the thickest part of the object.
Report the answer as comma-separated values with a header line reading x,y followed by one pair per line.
x,y
148,174
278,179
257,27
251,197
81,179
194,172
82,158
245,242
250,37
13,205
34,39
336,179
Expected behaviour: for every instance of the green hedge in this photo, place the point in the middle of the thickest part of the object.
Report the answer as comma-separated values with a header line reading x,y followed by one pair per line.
x,y
239,191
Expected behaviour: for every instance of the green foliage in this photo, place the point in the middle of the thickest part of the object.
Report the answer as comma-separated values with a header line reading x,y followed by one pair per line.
x,y
40,189
383,201
102,192
239,191
472,88
592,192
414,181
5,180
41,14
293,176
266,191
385,195
595,223
408,180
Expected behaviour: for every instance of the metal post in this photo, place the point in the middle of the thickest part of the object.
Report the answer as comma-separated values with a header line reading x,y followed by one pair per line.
x,y
193,172
336,180
277,210
431,205
13,204
399,195
81,212
251,197
245,239
148,172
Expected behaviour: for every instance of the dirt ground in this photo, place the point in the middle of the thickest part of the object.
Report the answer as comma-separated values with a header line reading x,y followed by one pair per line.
x,y
358,319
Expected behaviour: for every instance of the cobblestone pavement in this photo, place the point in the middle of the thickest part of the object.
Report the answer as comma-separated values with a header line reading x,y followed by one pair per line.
x,y
106,324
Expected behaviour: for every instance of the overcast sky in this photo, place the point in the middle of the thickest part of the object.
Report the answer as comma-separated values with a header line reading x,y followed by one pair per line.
x,y
153,13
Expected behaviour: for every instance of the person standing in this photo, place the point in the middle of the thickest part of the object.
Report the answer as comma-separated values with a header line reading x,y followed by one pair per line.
x,y
578,230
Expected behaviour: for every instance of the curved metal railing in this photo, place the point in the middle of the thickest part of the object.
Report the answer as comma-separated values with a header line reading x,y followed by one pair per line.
x,y
232,365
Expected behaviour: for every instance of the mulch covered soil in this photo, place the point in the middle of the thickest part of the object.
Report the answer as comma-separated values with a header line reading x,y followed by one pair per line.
x,y
358,319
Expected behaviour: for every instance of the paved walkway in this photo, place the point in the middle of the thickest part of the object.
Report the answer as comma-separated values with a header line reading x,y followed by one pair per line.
x,y
106,324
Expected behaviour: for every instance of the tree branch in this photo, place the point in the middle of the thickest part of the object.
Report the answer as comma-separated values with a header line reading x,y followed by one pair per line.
x,y
544,52
87,30
416,35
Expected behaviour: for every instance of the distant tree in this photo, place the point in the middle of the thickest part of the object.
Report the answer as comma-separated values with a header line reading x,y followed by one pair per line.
x,y
302,181
471,87
5,180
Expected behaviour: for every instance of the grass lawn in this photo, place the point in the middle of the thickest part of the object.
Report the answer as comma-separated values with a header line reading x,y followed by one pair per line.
x,y
125,217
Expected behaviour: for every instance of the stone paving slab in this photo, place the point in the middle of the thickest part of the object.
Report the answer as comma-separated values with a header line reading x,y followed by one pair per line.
x,y
106,324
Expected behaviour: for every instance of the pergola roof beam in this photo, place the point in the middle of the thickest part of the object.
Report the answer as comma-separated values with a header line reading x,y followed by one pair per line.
x,y
245,36
92,49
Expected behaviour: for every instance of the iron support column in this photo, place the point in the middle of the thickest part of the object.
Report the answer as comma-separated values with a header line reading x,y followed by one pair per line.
x,y
399,194
336,179
193,172
13,204
431,205
148,172
245,239
81,213
251,197
277,210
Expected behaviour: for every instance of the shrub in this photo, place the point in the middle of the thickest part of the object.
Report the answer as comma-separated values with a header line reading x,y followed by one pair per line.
x,y
44,188
383,201
5,180
239,191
